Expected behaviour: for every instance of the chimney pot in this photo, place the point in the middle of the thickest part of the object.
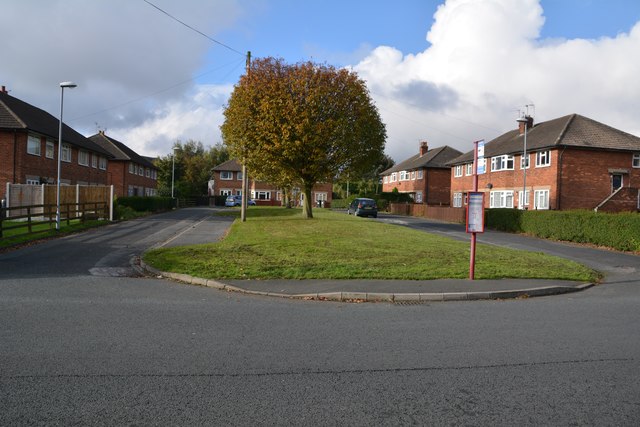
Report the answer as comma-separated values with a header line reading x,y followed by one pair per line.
x,y
525,121
424,148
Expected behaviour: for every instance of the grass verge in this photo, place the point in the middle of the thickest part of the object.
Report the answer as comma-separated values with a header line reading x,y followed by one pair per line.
x,y
18,237
276,243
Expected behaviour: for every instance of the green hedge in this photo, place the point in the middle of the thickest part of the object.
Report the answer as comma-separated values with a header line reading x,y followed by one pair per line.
x,y
620,231
146,204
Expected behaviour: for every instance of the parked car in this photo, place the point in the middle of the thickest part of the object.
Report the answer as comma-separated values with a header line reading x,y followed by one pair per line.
x,y
237,201
363,207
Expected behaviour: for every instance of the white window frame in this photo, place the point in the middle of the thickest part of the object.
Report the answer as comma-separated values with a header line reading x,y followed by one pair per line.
x,y
147,172
66,153
543,159
238,176
50,149
394,177
102,163
83,157
413,175
34,145
635,162
501,199
261,195
469,169
131,169
419,174
457,171
94,160
140,170
321,197
457,200
418,196
404,176
226,175
385,179
541,199
226,192
502,163
528,161
527,199
33,181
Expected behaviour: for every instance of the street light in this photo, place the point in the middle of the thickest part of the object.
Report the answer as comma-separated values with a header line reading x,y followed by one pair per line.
x,y
525,161
173,169
63,85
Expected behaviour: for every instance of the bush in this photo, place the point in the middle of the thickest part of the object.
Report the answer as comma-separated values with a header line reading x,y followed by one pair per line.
x,y
619,231
146,204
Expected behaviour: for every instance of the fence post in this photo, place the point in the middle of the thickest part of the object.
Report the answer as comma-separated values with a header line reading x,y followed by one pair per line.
x,y
111,204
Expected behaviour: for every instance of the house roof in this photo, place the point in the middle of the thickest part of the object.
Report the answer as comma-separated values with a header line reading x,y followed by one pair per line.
x,y
434,158
119,150
573,130
230,165
17,114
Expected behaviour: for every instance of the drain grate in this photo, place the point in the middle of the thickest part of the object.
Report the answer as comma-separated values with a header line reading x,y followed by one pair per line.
x,y
411,303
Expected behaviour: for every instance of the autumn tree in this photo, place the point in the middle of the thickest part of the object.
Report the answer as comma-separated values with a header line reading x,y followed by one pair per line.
x,y
302,124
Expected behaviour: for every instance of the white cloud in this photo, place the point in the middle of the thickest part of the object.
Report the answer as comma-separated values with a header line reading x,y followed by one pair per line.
x,y
485,61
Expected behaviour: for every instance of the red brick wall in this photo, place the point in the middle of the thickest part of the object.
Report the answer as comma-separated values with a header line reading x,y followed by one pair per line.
x,y
121,179
435,186
626,199
40,166
586,180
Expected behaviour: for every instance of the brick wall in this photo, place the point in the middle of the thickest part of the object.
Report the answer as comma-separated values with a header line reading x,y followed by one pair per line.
x,y
438,186
17,170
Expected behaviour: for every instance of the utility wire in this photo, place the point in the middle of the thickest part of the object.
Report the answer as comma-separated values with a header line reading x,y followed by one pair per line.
x,y
193,29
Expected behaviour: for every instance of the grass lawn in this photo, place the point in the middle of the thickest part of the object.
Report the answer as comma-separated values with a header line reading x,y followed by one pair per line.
x,y
17,236
278,243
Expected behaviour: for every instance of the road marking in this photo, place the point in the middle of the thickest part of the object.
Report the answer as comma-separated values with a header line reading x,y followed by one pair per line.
x,y
171,239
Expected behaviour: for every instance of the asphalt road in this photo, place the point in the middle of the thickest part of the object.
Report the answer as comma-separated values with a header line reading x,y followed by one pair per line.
x,y
83,343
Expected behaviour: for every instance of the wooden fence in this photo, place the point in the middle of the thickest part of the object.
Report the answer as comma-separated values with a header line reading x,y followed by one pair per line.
x,y
35,219
442,213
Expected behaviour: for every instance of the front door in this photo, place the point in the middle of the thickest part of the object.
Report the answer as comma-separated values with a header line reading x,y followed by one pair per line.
x,y
616,182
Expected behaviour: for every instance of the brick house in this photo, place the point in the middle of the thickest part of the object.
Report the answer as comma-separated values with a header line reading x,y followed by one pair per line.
x,y
227,180
572,162
29,149
130,173
425,176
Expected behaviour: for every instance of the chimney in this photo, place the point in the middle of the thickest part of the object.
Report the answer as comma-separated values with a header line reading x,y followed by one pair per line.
x,y
522,121
424,147
4,89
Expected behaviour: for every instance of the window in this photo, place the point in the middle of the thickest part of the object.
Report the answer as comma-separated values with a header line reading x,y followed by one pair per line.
x,y
404,176
261,195
457,171
500,163
501,199
33,181
226,175
418,196
525,162
140,171
94,160
469,169
83,158
523,204
541,199
225,192
33,145
50,148
457,200
102,161
66,153
239,176
394,177
543,158
636,160
238,192
413,175
147,172
131,168
279,195
419,173
385,179
321,197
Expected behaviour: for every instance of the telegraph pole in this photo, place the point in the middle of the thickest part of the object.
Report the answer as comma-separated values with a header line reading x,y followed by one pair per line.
x,y
245,181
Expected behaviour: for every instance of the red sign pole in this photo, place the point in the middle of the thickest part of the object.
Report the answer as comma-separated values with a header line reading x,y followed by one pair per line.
x,y
472,258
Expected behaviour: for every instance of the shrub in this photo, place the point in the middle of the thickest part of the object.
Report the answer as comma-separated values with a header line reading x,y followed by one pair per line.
x,y
146,204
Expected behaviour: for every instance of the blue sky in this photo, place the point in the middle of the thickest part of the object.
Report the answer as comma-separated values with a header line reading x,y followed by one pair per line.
x,y
150,81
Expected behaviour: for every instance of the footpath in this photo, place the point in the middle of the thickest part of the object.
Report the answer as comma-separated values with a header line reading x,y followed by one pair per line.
x,y
376,290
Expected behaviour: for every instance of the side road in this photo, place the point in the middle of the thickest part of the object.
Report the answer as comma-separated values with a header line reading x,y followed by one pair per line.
x,y
617,267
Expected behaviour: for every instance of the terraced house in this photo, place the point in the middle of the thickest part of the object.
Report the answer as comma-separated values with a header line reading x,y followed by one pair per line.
x,y
227,181
29,149
572,162
426,176
130,173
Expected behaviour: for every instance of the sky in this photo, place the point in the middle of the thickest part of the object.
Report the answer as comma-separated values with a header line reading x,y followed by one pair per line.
x,y
446,72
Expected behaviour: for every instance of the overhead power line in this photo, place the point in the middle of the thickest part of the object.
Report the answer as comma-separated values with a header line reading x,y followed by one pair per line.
x,y
193,29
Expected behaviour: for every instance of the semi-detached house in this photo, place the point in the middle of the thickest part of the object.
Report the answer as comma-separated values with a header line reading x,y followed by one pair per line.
x,y
572,162
29,149
227,181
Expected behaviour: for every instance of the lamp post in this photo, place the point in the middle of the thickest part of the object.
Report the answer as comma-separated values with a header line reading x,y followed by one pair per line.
x,y
525,161
63,85
173,169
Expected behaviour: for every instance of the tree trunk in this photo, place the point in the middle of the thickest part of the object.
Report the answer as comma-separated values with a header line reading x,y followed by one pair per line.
x,y
306,207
